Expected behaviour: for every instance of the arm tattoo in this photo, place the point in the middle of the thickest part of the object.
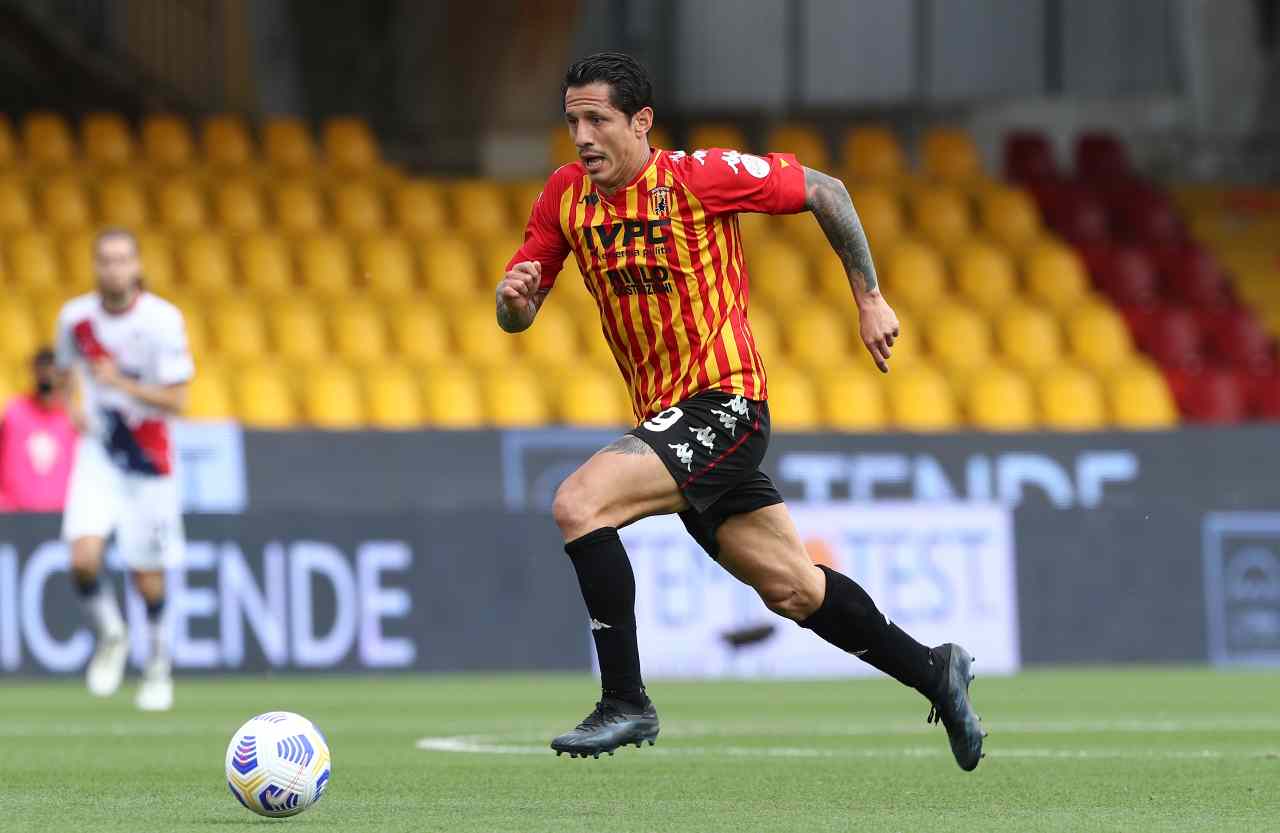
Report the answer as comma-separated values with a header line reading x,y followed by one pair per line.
x,y
515,322
627,444
829,201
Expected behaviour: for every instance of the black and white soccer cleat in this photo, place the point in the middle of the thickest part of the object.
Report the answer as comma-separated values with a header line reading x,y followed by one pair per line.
x,y
613,723
951,706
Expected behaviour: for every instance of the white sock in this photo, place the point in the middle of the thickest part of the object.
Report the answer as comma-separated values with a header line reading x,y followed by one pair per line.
x,y
103,612
159,637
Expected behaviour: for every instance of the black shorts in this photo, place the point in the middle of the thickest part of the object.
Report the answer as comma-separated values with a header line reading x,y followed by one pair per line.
x,y
713,444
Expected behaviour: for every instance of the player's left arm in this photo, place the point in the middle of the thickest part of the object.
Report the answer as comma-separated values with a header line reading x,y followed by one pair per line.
x,y
830,203
171,369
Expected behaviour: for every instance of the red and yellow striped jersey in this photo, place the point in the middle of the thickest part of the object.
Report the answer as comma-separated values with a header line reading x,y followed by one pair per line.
x,y
663,259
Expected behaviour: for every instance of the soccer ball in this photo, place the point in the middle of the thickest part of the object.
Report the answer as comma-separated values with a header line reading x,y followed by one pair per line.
x,y
278,764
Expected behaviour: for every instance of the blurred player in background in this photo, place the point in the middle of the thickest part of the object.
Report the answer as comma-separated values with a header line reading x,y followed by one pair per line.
x,y
655,234
37,443
128,351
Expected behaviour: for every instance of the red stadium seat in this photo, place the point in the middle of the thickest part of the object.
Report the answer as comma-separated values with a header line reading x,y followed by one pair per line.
x,y
1174,338
1079,215
1211,395
1235,336
1146,217
1101,156
1265,398
1028,156
1126,274
1194,277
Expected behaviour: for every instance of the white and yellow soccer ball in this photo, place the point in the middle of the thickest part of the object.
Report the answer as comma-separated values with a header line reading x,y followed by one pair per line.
x,y
278,764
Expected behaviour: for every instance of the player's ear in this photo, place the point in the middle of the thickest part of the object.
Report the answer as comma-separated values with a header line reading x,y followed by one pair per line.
x,y
642,121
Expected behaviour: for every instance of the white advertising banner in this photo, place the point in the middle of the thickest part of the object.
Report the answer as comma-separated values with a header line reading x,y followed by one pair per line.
x,y
943,572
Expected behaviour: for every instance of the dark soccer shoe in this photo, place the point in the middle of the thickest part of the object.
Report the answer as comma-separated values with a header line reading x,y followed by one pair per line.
x,y
613,723
952,708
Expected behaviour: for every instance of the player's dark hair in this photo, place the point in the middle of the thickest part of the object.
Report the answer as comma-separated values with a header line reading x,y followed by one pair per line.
x,y
630,89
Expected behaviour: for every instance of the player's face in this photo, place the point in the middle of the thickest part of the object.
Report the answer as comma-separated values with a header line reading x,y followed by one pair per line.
x,y
612,146
118,265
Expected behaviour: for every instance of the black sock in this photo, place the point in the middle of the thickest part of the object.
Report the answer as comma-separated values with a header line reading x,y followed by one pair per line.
x,y
155,610
86,585
850,620
609,589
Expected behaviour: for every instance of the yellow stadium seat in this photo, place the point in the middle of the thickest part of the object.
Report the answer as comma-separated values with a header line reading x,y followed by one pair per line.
x,y
15,205
419,334
881,215
597,349
236,328
817,337
287,144
349,145
805,142
793,399
359,333
1000,399
942,216
479,209
266,264
833,283
33,262
552,340
1139,397
950,155
959,339
167,141
1029,338
297,330
106,139
480,341
392,398
765,332
238,205
331,398
873,154
492,253
8,144
263,397
45,306
985,277
226,142
78,271
47,139
780,277
513,398
452,398
386,264
419,208
209,395
914,276
590,398
298,207
803,230
521,196
1056,276
64,204
1071,399
206,263
1010,217
122,202
194,311
158,269
180,205
560,147
717,135
920,399
19,338
853,399
358,208
449,269
1099,338
324,264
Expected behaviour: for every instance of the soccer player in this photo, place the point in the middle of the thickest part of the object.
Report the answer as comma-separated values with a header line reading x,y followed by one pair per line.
x,y
128,351
656,237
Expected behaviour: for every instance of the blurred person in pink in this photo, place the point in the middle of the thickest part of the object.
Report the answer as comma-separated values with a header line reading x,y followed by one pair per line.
x,y
37,443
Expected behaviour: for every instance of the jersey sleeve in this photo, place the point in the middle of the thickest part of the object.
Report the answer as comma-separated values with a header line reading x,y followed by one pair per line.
x,y
726,181
173,364
543,239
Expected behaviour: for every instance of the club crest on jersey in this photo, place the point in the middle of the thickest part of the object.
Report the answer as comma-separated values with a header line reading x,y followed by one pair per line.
x,y
660,201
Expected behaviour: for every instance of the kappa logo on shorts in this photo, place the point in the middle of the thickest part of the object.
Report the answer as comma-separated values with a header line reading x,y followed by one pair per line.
x,y
729,421
685,453
738,405
706,436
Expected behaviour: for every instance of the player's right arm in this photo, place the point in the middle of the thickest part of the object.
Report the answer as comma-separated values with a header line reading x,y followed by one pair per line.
x,y
532,271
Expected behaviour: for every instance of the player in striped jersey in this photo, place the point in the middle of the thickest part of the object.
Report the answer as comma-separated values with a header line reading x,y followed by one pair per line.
x,y
655,235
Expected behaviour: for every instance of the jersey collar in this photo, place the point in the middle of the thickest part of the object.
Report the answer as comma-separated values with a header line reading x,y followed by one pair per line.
x,y
654,153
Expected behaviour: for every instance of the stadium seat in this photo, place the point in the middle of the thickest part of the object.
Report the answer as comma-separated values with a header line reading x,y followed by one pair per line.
x,y
1028,155
942,217
419,332
46,139
266,264
226,142
479,209
19,338
298,207
1195,278
873,154
793,400
853,400
350,146
1101,156
1099,338
1079,216
359,333
765,332
1029,338
1071,399
985,277
1127,275
1173,338
916,274
950,155
358,208
8,143
780,277
817,336
475,333
920,399
15,205
78,272
1000,399
1212,395
449,269
297,330
287,144
166,141
552,340
1238,338
158,268
385,262
717,135
520,199
560,147
1265,400
1010,217
593,399
209,395
1139,397
332,398
1147,218
122,202
238,205
959,339
513,398
324,265
33,262
804,141
180,205
1055,277
263,398
236,328
881,215
106,139
493,254
419,208
392,398
452,397
803,231
206,263
64,205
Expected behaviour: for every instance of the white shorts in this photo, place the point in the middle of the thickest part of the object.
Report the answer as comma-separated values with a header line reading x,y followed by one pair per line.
x,y
144,511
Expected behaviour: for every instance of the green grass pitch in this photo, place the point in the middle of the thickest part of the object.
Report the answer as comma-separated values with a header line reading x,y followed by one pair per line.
x,y
1074,750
